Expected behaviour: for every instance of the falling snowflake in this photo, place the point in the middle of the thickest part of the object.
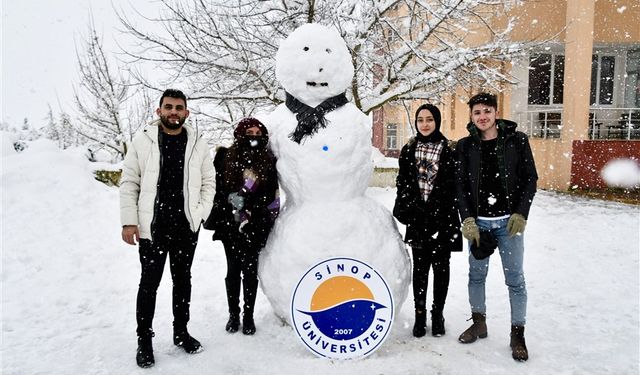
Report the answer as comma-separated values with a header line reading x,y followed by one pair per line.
x,y
623,173
492,200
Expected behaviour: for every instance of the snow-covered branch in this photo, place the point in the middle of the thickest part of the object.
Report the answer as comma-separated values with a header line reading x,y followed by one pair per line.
x,y
224,51
109,106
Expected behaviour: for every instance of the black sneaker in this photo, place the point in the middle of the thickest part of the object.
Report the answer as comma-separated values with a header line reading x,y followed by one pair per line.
x,y
186,342
144,355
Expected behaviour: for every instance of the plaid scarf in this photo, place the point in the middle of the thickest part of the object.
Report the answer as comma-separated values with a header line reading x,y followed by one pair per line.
x,y
427,162
311,119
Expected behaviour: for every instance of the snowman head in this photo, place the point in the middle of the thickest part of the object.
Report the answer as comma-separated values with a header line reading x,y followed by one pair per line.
x,y
314,64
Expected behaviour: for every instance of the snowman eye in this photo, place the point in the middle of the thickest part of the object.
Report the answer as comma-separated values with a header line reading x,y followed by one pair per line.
x,y
328,50
305,48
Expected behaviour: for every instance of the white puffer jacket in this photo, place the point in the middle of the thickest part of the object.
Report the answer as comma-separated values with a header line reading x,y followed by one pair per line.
x,y
140,173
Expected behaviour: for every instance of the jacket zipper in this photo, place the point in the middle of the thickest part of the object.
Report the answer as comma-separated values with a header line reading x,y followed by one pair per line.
x,y
185,193
506,178
156,199
479,177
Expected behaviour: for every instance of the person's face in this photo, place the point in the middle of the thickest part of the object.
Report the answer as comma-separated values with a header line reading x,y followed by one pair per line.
x,y
173,113
483,117
254,139
253,131
425,122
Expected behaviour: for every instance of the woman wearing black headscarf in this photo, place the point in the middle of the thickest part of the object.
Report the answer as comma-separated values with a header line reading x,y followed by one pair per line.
x,y
425,203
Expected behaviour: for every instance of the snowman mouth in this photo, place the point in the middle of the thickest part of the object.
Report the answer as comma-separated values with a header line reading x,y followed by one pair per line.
x,y
314,84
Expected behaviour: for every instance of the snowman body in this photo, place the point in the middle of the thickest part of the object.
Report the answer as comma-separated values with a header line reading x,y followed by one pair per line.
x,y
325,212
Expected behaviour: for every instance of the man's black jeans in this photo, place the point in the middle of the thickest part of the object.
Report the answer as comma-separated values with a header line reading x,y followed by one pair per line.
x,y
180,247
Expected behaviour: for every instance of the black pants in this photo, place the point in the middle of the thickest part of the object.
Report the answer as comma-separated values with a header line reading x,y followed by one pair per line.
x,y
242,261
180,247
430,255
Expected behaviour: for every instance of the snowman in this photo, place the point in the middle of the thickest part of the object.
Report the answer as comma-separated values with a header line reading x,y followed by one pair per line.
x,y
323,146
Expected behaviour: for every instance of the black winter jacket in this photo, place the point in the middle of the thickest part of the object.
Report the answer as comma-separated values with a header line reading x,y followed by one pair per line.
x,y
438,213
517,170
262,218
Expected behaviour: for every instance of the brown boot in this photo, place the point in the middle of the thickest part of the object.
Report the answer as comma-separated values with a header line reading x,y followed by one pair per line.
x,y
477,329
519,350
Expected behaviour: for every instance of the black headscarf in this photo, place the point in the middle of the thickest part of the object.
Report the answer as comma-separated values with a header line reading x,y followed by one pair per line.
x,y
436,136
310,119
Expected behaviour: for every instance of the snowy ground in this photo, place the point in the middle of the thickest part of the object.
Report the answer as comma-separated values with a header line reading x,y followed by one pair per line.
x,y
69,285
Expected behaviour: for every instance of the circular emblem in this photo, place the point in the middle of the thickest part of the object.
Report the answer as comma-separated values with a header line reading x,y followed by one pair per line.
x,y
342,308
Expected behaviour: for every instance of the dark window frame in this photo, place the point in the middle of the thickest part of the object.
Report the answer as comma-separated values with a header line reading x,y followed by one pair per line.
x,y
546,79
602,83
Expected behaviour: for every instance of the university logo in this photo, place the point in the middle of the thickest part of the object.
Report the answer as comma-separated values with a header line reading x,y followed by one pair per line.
x,y
342,309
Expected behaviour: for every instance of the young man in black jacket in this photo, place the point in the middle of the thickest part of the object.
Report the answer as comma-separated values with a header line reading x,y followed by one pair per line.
x,y
495,183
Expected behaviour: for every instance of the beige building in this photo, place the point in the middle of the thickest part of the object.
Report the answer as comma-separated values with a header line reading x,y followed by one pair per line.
x,y
576,96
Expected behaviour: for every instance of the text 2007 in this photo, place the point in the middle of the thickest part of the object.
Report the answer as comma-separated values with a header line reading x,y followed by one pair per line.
x,y
342,331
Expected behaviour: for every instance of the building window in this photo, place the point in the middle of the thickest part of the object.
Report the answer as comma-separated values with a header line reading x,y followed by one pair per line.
x,y
546,79
602,79
632,83
548,125
392,137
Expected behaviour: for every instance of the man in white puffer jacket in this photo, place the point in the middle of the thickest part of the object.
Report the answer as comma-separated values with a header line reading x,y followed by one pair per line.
x,y
166,192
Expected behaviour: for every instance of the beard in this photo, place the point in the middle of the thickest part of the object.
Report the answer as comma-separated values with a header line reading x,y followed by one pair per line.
x,y
172,125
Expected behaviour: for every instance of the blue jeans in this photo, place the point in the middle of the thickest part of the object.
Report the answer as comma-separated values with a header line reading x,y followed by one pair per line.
x,y
511,251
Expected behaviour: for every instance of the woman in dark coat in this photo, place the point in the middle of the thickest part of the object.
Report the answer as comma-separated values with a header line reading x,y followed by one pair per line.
x,y
245,207
425,203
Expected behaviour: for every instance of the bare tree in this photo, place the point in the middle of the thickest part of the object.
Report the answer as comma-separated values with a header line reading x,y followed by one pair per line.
x,y
224,50
111,108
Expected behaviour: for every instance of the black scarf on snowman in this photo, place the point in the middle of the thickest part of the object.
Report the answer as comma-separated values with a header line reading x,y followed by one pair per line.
x,y
310,119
